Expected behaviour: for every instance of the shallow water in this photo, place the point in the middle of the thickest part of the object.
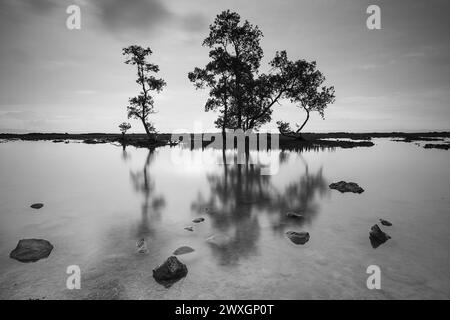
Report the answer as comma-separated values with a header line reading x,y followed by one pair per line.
x,y
99,200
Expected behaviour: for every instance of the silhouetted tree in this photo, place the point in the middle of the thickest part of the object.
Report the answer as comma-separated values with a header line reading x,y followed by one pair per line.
x,y
124,127
235,57
244,96
308,94
141,106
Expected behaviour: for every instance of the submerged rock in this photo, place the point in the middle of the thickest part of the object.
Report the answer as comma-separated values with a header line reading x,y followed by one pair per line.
x,y
298,237
170,271
343,186
37,205
31,250
189,228
198,220
294,215
218,239
377,236
58,141
385,223
142,246
183,250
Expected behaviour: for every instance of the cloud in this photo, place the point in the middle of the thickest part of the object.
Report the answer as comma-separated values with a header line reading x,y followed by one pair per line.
x,y
119,15
144,16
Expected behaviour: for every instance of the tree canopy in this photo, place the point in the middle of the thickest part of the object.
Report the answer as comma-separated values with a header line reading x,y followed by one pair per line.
x,y
142,105
243,96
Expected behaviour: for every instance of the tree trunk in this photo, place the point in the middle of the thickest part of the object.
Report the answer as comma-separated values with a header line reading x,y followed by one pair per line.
x,y
149,134
306,120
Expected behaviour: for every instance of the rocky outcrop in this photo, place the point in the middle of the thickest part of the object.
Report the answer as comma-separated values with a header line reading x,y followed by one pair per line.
x,y
31,250
437,146
94,141
343,186
298,237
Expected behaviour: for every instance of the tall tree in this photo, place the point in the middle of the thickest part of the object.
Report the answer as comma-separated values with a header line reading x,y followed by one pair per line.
x,y
141,106
235,58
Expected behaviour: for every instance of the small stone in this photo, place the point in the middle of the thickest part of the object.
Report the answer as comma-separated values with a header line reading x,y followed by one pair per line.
x,y
377,236
170,271
189,228
37,205
343,186
31,250
298,237
183,250
385,223
142,246
294,215
198,220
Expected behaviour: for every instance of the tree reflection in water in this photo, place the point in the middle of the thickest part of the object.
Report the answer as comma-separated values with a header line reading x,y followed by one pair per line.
x,y
152,204
239,194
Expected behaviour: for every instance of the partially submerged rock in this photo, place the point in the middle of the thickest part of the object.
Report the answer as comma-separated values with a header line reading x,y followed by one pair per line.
x,y
298,237
385,223
377,236
343,186
189,228
294,215
170,271
37,205
141,245
31,250
198,220
183,250
58,141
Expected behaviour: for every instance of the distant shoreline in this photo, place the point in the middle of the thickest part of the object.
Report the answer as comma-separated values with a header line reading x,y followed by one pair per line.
x,y
312,140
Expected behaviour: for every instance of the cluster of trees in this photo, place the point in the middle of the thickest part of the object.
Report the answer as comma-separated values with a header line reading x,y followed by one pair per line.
x,y
243,96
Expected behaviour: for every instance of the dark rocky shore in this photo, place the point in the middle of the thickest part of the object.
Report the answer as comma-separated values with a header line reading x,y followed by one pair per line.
x,y
310,140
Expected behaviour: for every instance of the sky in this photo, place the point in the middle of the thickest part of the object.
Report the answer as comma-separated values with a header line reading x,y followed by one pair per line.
x,y
53,79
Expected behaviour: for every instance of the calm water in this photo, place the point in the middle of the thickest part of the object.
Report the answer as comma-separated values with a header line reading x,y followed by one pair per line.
x,y
99,200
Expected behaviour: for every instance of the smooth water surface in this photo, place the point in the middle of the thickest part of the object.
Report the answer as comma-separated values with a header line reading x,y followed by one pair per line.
x,y
100,199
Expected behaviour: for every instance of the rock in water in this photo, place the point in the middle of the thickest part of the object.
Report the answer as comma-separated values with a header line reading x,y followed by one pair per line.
x,y
219,240
377,237
343,186
37,205
31,250
298,237
198,220
189,228
183,250
170,271
142,246
294,215
385,223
